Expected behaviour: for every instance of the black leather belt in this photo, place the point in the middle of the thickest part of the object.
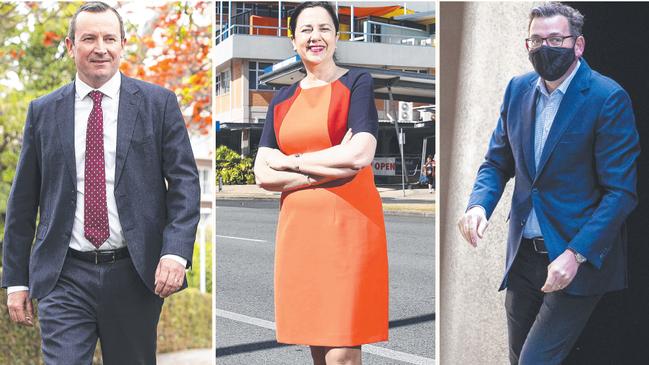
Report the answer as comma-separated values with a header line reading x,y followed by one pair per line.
x,y
538,244
100,257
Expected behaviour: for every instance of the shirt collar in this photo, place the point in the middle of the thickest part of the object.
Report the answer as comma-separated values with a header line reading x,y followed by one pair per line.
x,y
110,88
540,85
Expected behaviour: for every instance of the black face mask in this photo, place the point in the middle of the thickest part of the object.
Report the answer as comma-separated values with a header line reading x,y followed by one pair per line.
x,y
552,62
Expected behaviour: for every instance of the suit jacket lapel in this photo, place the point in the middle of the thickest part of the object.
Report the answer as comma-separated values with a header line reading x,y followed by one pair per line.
x,y
65,122
571,103
528,116
129,101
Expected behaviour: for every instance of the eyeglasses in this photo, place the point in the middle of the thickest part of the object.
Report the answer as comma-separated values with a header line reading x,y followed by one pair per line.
x,y
552,41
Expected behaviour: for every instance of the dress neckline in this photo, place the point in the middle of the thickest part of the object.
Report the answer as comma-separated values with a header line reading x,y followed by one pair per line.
x,y
319,86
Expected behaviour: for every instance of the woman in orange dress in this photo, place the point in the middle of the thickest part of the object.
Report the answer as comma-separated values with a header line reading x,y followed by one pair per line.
x,y
331,267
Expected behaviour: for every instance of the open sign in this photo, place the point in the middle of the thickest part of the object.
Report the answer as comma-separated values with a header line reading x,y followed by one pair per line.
x,y
384,166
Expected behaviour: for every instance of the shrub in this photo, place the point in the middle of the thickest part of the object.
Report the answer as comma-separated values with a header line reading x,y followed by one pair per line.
x,y
194,275
185,323
18,344
232,168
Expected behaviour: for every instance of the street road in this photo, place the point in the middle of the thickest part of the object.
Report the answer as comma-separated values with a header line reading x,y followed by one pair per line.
x,y
245,233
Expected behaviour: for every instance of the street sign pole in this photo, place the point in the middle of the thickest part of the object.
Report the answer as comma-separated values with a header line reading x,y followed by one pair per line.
x,y
202,257
399,139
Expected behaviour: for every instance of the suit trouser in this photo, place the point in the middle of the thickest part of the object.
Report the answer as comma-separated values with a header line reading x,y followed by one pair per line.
x,y
108,302
542,327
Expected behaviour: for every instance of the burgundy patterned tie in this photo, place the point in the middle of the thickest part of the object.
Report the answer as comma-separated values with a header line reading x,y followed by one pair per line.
x,y
95,225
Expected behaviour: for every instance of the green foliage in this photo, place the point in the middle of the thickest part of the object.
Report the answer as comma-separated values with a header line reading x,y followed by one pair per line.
x,y
193,276
232,168
18,344
33,62
185,323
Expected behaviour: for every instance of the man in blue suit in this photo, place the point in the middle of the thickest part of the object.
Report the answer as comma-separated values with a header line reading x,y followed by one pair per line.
x,y
567,134
107,165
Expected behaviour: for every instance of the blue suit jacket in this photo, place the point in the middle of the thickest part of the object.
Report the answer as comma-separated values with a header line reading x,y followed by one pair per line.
x,y
156,186
585,184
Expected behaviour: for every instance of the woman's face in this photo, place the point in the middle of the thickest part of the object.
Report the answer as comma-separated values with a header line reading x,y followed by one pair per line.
x,y
315,36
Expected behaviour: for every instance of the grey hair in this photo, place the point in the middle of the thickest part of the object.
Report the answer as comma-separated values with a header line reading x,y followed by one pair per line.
x,y
550,9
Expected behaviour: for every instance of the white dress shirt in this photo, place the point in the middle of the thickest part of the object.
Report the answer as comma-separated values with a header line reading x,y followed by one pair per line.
x,y
82,108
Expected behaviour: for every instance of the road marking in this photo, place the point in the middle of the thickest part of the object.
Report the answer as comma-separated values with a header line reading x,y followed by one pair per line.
x,y
370,349
246,319
397,355
240,238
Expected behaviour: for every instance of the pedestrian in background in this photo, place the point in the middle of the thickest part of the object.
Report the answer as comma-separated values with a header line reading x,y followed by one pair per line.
x,y
429,169
319,139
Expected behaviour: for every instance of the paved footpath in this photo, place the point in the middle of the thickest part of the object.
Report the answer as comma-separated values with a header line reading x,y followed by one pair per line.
x,y
188,357
395,201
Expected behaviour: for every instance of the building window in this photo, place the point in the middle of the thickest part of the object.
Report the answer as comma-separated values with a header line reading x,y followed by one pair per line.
x,y
255,70
225,84
242,7
222,82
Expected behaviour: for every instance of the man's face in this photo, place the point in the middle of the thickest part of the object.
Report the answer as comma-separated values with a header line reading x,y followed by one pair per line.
x,y
557,25
97,47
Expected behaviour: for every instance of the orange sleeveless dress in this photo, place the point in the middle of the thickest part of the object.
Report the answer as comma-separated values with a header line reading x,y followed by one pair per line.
x,y
331,267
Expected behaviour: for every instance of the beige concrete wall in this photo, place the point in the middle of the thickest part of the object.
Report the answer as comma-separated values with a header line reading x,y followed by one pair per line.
x,y
237,84
222,103
481,48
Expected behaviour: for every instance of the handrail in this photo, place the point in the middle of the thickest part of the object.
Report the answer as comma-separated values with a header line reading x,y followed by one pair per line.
x,y
402,39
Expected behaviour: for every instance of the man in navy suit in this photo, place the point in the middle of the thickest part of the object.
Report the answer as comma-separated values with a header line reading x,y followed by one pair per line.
x,y
107,165
567,134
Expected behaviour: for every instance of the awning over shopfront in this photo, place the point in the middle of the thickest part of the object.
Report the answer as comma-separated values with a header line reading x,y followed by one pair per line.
x,y
405,86
388,84
427,17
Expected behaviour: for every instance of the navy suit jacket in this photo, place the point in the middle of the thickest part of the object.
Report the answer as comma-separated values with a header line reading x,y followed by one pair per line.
x,y
156,186
585,183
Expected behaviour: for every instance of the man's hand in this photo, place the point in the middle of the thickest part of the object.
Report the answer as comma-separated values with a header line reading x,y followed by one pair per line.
x,y
473,224
20,307
169,277
561,271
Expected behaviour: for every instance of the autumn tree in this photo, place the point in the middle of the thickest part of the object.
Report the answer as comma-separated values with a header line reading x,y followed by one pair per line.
x,y
173,51
33,62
